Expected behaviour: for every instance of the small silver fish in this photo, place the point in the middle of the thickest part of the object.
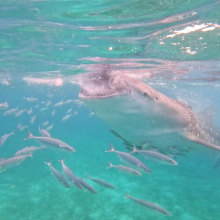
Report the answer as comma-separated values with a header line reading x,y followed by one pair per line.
x,y
68,112
19,112
53,112
50,142
43,102
65,118
50,95
68,101
4,138
30,111
69,174
59,104
49,127
148,205
28,150
124,169
45,123
101,182
44,133
33,119
130,160
79,103
21,127
91,114
36,106
58,176
48,103
4,105
149,154
43,109
11,162
87,186
10,111
32,99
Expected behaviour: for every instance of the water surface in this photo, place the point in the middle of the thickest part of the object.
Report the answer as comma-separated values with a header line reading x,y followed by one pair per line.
x,y
45,49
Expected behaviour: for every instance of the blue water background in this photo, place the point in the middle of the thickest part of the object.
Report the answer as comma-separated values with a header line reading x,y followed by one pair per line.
x,y
61,39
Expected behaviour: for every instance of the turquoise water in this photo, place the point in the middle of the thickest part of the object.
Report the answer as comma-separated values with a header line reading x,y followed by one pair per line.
x,y
47,48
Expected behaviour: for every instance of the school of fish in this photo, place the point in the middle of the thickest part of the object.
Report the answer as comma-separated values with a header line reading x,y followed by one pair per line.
x,y
68,179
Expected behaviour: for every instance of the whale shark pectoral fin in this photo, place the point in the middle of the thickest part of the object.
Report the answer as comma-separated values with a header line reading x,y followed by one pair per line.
x,y
200,141
116,134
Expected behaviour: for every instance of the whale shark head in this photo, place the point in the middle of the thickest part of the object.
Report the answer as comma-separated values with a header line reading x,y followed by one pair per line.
x,y
103,84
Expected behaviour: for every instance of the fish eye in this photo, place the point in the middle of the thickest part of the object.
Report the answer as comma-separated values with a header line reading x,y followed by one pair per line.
x,y
156,98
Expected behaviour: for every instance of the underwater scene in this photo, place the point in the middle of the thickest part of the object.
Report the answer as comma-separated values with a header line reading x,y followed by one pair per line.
x,y
109,110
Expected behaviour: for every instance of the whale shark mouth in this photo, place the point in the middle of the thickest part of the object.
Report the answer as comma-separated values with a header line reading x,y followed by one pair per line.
x,y
98,86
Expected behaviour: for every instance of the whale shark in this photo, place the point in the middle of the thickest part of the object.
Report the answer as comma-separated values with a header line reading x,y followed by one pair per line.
x,y
141,115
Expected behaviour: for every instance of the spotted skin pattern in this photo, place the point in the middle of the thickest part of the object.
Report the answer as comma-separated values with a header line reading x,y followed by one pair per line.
x,y
193,131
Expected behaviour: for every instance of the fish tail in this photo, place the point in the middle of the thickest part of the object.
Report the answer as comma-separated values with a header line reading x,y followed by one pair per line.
x,y
148,170
88,177
127,195
134,149
61,161
29,135
49,163
111,150
110,165
30,155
